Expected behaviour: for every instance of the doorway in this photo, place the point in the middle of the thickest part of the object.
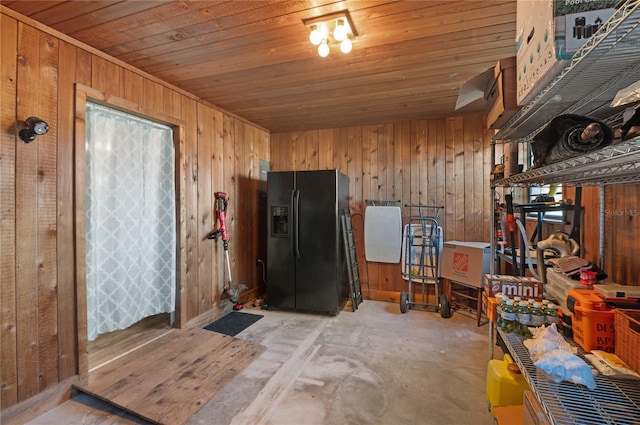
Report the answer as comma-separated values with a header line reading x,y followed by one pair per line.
x,y
130,219
129,229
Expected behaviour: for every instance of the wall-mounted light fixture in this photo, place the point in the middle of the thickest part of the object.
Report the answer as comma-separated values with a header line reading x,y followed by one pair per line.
x,y
334,28
33,126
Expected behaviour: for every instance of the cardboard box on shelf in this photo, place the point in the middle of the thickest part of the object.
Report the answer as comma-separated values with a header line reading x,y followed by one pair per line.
x,y
497,86
548,33
501,93
465,262
513,286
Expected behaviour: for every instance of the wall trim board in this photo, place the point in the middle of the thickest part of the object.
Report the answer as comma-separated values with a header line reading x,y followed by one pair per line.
x,y
82,95
41,27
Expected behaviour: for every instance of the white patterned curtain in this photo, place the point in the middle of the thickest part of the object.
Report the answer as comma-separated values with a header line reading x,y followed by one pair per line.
x,y
130,219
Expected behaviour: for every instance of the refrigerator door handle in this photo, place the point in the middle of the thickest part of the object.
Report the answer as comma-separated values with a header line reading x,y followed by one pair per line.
x,y
295,197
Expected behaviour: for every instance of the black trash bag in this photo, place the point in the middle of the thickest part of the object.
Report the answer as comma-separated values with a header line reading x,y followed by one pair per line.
x,y
567,136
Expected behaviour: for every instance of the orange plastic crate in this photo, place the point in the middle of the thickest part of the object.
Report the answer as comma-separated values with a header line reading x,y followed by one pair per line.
x,y
587,299
594,329
628,337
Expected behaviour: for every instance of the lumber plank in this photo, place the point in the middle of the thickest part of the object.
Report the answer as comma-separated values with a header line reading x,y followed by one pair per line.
x,y
67,330
107,373
144,385
84,409
79,235
8,144
369,164
241,222
312,143
27,291
389,177
94,23
189,294
195,365
487,166
46,206
439,165
468,178
449,169
235,133
105,76
109,346
405,141
217,175
206,214
184,391
153,97
133,87
432,160
301,152
215,377
172,102
479,179
384,141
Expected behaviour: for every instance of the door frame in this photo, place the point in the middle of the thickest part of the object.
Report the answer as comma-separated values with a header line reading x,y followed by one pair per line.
x,y
82,95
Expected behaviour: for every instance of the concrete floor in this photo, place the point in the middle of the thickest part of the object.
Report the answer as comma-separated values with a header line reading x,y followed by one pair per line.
x,y
372,366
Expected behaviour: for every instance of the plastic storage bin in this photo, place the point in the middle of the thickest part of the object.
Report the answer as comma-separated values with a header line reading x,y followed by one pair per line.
x,y
505,383
586,298
594,329
592,322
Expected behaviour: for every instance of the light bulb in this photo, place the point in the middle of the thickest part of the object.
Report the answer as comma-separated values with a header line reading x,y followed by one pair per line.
x,y
340,31
316,36
324,30
346,45
323,49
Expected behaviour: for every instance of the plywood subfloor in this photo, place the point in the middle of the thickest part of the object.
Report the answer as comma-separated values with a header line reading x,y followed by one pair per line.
x,y
169,379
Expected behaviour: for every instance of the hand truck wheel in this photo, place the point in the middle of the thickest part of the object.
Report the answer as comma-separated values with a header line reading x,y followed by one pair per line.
x,y
445,308
404,302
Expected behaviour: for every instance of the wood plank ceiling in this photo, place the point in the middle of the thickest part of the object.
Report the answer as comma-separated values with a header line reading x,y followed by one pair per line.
x,y
253,58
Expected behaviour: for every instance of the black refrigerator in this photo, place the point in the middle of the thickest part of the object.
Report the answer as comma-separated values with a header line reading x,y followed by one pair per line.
x,y
306,264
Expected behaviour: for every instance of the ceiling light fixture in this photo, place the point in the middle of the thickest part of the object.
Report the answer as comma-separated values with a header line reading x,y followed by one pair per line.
x,y
334,28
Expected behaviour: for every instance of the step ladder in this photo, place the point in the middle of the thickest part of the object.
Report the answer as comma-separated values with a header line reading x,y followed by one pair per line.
x,y
355,288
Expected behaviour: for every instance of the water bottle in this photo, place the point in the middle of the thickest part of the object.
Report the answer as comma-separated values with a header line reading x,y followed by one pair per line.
x,y
551,315
537,315
509,317
524,318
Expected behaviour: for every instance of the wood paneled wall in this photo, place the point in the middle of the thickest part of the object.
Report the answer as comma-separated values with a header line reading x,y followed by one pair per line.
x,y
443,162
40,68
446,162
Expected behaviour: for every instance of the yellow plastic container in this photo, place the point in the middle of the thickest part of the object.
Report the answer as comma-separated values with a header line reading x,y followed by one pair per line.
x,y
505,383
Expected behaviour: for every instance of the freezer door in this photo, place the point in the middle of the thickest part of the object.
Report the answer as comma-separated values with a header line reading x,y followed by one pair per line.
x,y
317,240
281,285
